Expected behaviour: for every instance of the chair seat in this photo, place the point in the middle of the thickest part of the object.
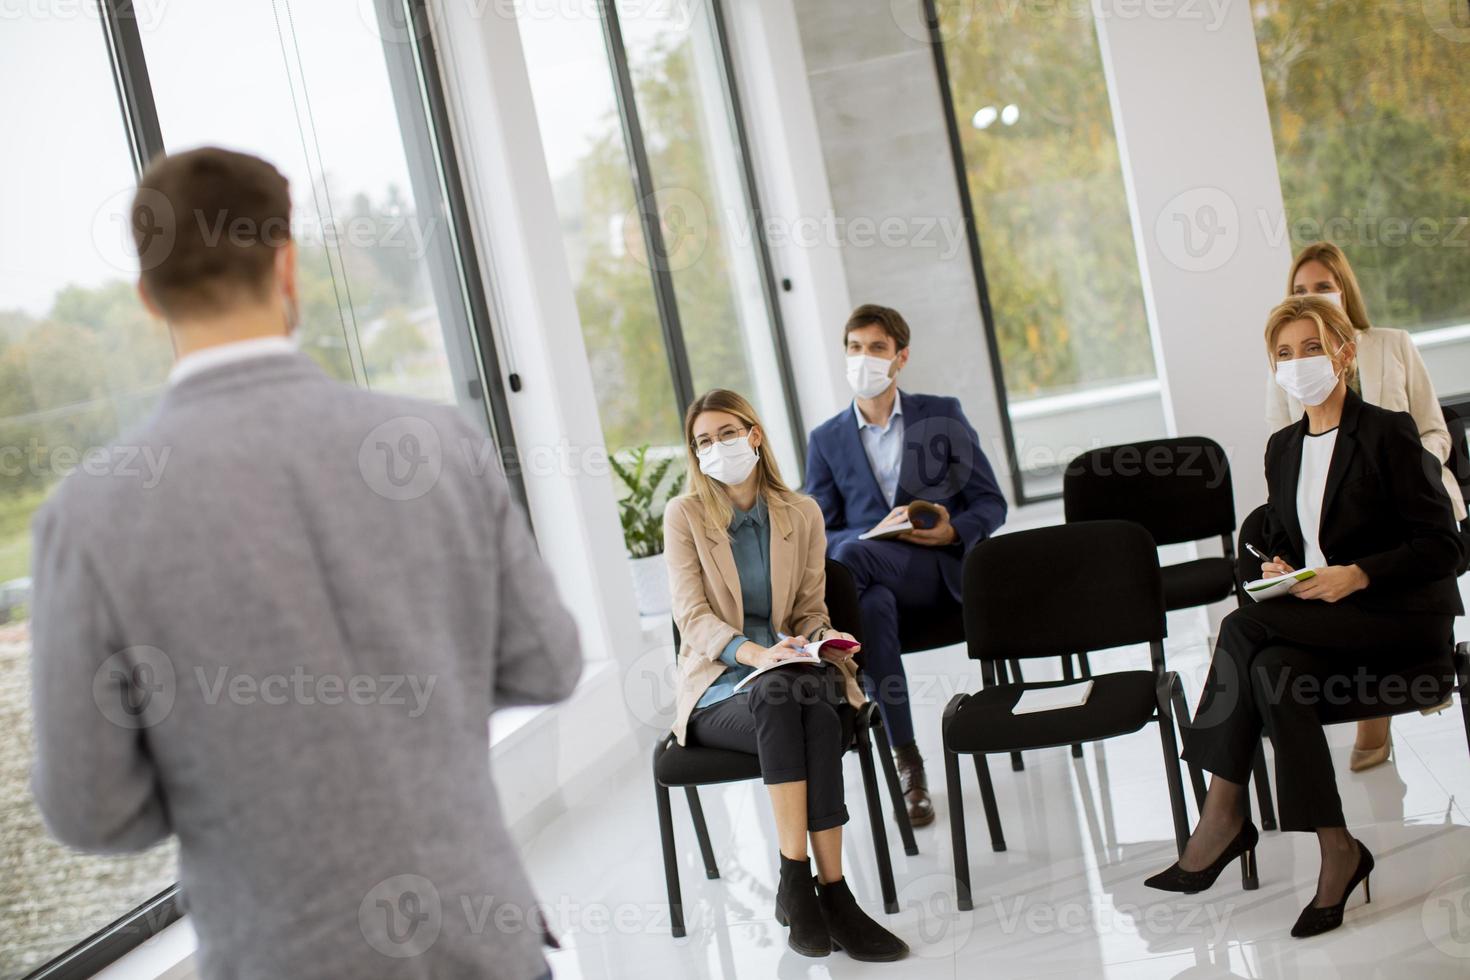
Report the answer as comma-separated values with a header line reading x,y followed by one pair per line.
x,y
1120,703
945,627
695,765
1198,583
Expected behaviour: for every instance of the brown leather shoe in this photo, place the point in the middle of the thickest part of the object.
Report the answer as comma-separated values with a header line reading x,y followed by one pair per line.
x,y
914,783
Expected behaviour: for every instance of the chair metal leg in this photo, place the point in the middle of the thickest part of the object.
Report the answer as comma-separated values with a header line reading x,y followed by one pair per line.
x,y
895,790
1067,675
1263,789
987,796
957,831
671,860
1182,719
1017,763
1167,684
1084,664
696,812
875,818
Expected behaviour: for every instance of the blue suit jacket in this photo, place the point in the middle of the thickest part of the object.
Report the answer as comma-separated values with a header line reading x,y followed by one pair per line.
x,y
942,463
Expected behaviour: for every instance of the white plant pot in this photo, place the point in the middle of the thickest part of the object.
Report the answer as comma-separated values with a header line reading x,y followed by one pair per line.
x,y
651,585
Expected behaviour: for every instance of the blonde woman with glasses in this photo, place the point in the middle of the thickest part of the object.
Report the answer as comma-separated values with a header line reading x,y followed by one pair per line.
x,y
1391,374
747,570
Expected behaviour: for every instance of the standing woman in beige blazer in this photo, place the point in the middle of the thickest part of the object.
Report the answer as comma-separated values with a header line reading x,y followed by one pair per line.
x,y
747,570
1391,375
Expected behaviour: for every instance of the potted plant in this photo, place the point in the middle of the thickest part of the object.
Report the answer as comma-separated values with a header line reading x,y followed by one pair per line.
x,y
641,511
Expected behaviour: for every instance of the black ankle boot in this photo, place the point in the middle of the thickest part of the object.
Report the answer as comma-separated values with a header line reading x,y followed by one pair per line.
x,y
852,930
796,907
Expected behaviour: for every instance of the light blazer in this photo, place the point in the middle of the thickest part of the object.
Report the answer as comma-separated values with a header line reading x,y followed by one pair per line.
x,y
705,587
1392,375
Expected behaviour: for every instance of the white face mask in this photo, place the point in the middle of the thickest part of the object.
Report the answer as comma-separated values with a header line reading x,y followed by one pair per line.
x,y
730,465
868,376
1307,379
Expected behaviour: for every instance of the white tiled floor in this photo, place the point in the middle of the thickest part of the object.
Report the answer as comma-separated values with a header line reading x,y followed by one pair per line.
x,y
1066,899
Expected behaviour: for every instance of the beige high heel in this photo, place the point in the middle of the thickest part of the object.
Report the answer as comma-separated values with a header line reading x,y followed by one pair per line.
x,y
1368,758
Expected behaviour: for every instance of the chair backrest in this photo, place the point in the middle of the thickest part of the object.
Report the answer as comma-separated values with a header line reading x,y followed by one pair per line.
x,y
842,604
1252,531
1179,489
1053,591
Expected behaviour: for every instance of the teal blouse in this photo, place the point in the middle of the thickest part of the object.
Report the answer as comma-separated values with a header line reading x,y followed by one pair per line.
x,y
750,540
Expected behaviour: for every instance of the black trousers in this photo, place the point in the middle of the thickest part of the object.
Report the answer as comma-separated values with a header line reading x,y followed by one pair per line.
x,y
1277,664
790,718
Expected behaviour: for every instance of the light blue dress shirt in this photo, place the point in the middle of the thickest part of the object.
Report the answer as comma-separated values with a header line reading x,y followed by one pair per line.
x,y
750,540
884,447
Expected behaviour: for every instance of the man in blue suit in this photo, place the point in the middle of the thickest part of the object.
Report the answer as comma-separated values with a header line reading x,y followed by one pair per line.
x,y
864,466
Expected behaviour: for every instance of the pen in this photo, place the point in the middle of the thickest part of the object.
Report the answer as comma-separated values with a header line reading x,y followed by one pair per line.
x,y
1255,551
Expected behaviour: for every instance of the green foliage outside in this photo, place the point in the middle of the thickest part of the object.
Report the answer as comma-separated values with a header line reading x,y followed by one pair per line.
x,y
1370,110
641,508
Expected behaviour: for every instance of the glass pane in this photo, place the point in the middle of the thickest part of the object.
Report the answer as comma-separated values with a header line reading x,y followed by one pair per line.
x,y
710,247
1042,164
587,159
80,360
318,103
1369,114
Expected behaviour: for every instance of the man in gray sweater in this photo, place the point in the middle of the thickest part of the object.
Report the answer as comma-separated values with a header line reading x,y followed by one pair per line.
x,y
284,643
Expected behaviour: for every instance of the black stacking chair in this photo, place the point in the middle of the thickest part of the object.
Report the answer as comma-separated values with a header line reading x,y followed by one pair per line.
x,y
1180,490
1050,592
1449,676
1459,465
692,766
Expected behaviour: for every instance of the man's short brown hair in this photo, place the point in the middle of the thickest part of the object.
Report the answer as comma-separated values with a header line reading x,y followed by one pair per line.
x,y
207,224
889,319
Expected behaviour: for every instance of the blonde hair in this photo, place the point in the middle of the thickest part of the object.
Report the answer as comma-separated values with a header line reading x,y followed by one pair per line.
x,y
1328,317
1336,262
714,499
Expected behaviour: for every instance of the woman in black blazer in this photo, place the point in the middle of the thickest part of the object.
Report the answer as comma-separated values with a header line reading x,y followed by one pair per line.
x,y
1354,496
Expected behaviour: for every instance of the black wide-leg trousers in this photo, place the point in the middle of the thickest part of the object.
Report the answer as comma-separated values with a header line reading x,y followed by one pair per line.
x,y
790,718
1277,663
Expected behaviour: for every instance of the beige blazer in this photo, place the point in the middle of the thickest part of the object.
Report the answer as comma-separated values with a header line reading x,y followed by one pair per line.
x,y
705,588
1392,375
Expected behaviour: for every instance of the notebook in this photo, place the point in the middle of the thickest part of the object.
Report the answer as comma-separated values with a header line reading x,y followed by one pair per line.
x,y
922,515
1270,588
1052,698
810,657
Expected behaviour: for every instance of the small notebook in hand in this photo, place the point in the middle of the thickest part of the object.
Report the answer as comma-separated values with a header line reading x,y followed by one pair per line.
x,y
922,515
811,656
1270,588
1052,698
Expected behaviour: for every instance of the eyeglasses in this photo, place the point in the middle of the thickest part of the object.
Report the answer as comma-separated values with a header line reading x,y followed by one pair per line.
x,y
727,436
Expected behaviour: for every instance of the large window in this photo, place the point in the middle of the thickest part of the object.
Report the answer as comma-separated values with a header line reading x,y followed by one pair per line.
x,y
1055,258
339,94
1371,119
647,160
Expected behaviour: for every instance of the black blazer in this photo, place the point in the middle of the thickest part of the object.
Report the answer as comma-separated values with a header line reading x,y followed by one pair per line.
x,y
1385,510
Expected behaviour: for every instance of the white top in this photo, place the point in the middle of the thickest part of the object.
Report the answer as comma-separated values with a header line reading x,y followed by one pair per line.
x,y
220,354
1310,487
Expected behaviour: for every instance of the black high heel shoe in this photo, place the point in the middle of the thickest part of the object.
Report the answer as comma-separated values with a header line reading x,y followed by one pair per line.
x,y
1316,920
1243,846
